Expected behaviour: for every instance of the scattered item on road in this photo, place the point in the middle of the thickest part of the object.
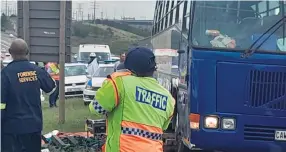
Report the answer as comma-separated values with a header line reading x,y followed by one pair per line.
x,y
74,144
90,141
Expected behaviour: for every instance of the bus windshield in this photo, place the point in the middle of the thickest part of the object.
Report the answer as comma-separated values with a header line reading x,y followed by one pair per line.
x,y
236,25
101,56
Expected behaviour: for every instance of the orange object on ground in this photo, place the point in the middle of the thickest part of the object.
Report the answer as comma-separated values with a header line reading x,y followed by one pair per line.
x,y
103,148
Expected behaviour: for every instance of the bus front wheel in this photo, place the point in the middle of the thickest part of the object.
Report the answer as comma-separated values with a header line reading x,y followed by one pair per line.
x,y
182,148
180,145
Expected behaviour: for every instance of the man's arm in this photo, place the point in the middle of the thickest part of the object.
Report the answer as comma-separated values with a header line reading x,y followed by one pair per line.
x,y
106,99
48,85
171,112
115,66
4,93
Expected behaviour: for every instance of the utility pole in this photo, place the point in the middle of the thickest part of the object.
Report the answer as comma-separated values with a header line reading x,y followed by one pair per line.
x,y
94,7
101,15
123,13
114,13
62,62
6,8
26,23
79,12
73,15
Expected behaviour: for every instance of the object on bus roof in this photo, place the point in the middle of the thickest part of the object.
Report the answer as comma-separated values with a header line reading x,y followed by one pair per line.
x,y
281,43
223,41
213,32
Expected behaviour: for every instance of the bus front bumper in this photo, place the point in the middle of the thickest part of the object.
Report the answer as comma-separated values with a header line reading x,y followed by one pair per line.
x,y
252,133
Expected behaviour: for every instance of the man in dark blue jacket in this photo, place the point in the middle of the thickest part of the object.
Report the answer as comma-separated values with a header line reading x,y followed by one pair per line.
x,y
21,112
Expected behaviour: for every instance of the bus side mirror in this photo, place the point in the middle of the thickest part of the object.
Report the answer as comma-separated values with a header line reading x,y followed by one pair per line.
x,y
181,51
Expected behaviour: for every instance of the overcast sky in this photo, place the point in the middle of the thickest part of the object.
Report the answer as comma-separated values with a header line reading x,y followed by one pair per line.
x,y
110,9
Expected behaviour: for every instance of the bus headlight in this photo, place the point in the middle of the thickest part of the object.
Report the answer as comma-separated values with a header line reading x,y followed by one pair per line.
x,y
228,123
211,122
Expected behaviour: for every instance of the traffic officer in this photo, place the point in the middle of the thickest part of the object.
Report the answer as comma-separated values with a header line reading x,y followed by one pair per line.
x,y
21,112
53,70
137,107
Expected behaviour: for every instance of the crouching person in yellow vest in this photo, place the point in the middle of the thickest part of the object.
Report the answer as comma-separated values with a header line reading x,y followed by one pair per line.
x,y
137,107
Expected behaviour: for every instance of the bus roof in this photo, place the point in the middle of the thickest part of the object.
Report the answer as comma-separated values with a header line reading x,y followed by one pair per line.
x,y
93,48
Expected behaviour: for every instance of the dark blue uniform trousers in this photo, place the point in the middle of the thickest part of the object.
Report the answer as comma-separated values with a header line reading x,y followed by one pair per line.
x,y
21,142
54,96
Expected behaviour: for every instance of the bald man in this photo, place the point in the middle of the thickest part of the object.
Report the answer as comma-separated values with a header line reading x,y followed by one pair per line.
x,y
21,112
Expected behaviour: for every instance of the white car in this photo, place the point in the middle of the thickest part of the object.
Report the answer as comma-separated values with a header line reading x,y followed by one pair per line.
x,y
75,79
95,82
6,62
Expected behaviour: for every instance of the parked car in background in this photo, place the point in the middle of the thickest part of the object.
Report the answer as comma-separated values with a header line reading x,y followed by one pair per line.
x,y
95,82
75,79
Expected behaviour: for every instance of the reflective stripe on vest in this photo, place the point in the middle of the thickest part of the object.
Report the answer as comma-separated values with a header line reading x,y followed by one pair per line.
x,y
151,134
3,106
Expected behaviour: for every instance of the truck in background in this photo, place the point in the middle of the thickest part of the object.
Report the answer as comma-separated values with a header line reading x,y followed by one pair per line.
x,y
102,52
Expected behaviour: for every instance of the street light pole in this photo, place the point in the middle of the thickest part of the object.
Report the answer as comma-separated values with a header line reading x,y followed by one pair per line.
x,y
62,62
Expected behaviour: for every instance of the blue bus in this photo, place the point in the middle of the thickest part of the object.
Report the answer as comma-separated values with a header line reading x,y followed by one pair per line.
x,y
231,93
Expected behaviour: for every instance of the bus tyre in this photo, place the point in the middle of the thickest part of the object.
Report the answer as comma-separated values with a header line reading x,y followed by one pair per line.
x,y
181,147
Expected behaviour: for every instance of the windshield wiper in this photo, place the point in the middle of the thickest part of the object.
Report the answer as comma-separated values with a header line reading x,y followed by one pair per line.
x,y
248,52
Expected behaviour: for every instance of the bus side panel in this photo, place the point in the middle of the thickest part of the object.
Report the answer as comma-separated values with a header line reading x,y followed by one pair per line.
x,y
203,92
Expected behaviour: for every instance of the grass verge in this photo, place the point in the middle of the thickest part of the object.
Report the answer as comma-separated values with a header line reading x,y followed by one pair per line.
x,y
75,116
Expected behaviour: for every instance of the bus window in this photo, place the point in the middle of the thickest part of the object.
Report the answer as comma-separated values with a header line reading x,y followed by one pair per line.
x,y
235,24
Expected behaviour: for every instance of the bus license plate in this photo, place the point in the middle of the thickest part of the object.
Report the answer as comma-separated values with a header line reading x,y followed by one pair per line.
x,y
73,89
280,135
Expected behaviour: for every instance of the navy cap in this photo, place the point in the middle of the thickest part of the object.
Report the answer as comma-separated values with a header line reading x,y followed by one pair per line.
x,y
140,60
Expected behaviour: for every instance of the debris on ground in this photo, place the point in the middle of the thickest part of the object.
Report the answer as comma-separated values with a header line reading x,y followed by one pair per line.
x,y
75,144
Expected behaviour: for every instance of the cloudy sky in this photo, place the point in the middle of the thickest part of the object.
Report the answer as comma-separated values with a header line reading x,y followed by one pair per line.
x,y
104,8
